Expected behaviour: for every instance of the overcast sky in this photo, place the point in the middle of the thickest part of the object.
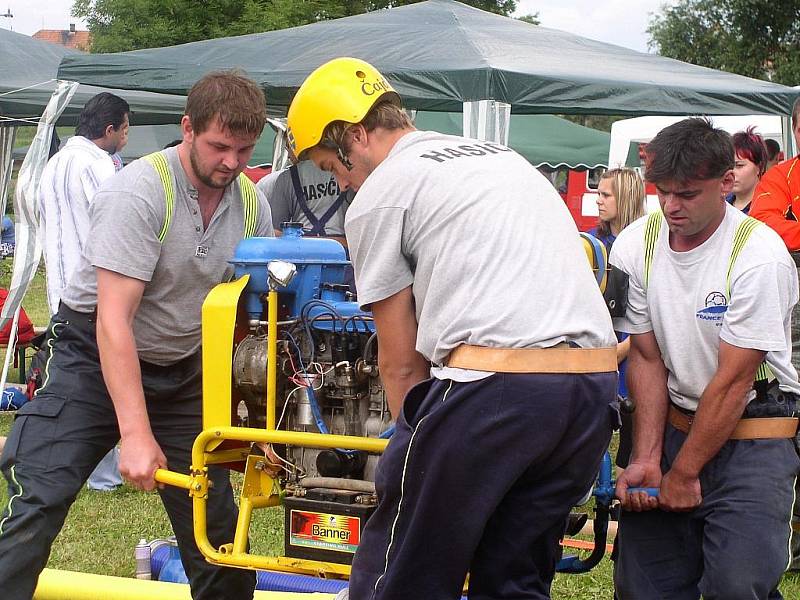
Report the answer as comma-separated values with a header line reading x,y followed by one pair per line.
x,y
620,22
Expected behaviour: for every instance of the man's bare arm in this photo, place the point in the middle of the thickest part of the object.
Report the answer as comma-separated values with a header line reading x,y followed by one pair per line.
x,y
720,407
118,299
647,385
401,366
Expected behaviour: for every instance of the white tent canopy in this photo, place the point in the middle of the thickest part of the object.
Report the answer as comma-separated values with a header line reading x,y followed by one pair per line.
x,y
644,129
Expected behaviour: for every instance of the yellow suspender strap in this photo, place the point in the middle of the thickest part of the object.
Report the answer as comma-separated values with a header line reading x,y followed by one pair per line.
x,y
764,373
159,162
247,190
743,232
651,232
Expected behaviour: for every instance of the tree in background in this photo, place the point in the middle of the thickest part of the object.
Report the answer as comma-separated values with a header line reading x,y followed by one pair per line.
x,y
119,25
532,19
756,38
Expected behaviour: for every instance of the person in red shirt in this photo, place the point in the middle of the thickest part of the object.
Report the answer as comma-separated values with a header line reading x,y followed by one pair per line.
x,y
776,199
776,202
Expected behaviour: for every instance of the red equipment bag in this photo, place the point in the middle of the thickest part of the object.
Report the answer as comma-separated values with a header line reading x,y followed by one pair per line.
x,y
25,331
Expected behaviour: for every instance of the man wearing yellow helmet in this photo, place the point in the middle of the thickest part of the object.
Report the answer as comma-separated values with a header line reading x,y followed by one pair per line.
x,y
496,349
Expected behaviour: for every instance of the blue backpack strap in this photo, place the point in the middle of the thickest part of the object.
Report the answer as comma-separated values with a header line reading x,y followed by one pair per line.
x,y
247,191
160,164
302,201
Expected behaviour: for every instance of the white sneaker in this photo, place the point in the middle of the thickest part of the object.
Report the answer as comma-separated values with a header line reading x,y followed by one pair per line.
x,y
343,594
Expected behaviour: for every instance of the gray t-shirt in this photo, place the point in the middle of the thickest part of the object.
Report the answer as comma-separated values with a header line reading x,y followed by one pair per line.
x,y
487,244
321,191
127,215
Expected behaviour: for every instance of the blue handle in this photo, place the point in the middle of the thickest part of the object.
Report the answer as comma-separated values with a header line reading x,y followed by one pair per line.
x,y
650,491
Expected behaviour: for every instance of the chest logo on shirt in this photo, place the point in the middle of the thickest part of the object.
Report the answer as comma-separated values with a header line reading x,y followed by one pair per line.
x,y
716,304
201,251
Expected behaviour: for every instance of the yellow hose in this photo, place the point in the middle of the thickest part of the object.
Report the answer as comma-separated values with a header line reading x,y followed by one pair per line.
x,y
70,585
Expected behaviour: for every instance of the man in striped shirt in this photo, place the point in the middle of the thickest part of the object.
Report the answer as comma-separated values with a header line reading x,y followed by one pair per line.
x,y
69,182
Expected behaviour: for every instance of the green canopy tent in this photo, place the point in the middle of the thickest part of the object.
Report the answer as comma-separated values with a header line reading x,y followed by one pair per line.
x,y
439,54
28,70
544,140
144,139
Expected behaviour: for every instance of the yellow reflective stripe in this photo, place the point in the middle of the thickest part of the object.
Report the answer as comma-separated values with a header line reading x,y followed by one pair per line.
x,y
764,373
247,190
651,233
13,483
159,162
55,328
740,237
743,232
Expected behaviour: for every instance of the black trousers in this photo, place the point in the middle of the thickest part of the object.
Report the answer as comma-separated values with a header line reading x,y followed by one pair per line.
x,y
59,437
480,477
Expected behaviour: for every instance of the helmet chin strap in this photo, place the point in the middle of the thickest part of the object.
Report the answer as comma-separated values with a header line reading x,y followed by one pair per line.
x,y
343,159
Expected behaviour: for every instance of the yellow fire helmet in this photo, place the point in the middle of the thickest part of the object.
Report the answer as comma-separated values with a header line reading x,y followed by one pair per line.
x,y
343,89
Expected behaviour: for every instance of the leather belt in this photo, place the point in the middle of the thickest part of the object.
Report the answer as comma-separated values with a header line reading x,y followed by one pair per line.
x,y
746,429
557,359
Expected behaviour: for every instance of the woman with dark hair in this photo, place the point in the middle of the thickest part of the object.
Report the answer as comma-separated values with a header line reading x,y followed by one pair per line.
x,y
751,162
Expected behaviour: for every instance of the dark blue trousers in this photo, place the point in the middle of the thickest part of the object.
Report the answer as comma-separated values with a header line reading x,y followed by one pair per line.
x,y
479,477
59,437
735,546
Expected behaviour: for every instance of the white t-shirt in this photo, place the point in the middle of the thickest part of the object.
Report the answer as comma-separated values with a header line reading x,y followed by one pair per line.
x,y
485,241
687,308
69,182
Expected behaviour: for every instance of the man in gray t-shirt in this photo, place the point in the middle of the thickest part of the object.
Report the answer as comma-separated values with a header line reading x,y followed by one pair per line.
x,y
308,195
475,274
162,232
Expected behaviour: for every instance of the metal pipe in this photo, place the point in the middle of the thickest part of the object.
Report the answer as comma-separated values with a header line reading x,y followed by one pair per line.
x,y
265,580
289,438
339,483
272,356
243,525
57,585
228,554
174,479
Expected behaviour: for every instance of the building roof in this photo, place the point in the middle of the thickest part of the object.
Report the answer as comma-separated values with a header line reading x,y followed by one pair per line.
x,y
77,40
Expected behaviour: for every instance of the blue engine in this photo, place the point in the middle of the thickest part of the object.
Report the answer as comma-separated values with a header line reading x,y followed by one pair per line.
x,y
328,379
321,267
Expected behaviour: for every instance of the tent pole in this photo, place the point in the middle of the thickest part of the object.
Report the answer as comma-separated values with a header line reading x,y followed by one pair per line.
x,y
487,120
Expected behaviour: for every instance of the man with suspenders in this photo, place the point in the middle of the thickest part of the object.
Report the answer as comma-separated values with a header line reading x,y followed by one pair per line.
x,y
710,297
124,346
306,194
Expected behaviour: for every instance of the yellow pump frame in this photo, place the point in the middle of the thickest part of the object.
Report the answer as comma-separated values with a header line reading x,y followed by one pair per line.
x,y
260,489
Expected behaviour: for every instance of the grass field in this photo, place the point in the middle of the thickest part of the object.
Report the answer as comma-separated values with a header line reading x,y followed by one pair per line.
x,y
103,527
